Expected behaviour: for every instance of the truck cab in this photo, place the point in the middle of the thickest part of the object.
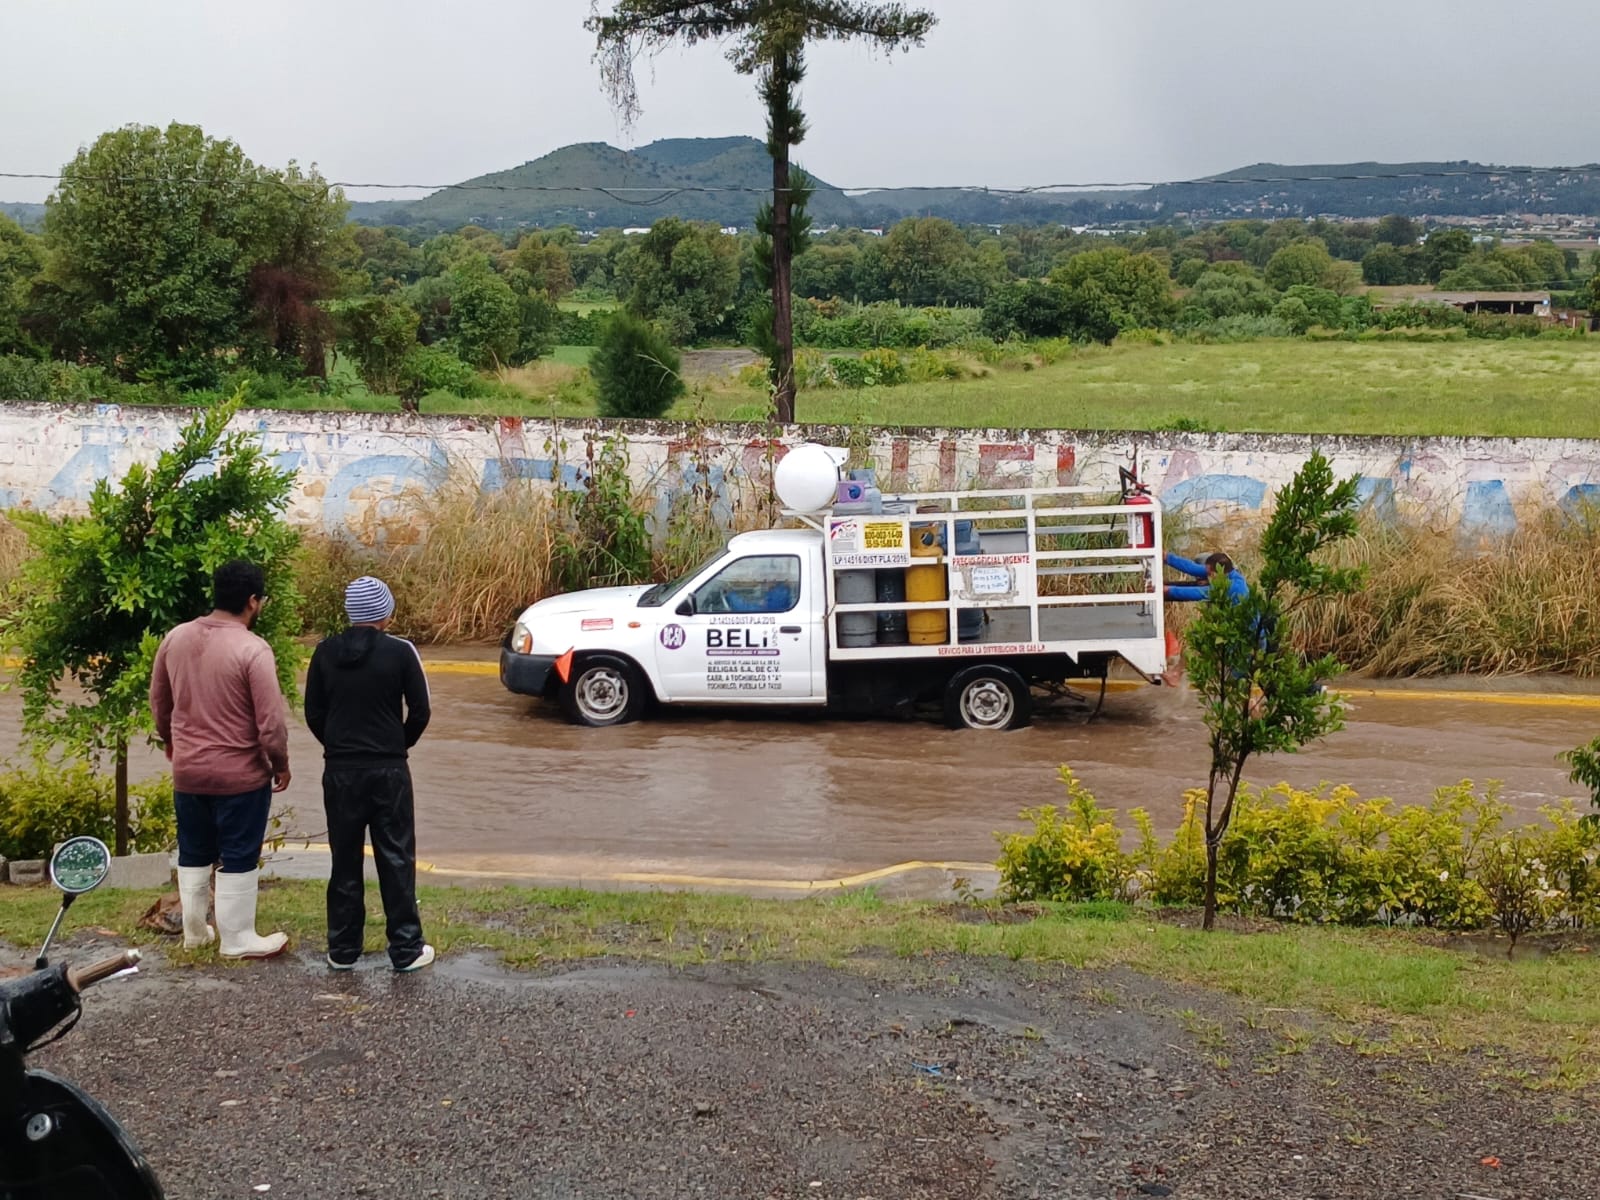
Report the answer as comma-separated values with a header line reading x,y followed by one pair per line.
x,y
970,601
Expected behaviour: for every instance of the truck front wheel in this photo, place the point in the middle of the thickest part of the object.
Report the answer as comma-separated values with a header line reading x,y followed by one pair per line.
x,y
603,691
987,698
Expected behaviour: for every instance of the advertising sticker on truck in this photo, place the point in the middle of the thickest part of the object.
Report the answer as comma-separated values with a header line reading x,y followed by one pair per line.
x,y
673,637
743,658
869,541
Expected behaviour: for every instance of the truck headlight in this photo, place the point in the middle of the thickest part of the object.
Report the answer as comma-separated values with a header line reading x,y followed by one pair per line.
x,y
522,639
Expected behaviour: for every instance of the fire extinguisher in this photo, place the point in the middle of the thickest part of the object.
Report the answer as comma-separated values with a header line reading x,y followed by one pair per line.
x,y
1141,526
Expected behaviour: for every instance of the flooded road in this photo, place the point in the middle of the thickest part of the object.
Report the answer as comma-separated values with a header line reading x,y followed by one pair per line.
x,y
504,784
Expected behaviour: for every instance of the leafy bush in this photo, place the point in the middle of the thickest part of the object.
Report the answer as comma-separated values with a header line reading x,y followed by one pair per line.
x,y
1326,857
435,369
635,368
48,804
599,537
581,329
834,325
850,372
874,368
1071,855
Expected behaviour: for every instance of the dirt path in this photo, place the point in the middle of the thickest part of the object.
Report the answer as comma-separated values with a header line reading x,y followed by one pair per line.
x,y
504,784
946,1080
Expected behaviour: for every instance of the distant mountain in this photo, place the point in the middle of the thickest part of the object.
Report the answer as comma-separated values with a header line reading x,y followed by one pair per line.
x,y
594,186
29,216
546,192
1437,189
645,185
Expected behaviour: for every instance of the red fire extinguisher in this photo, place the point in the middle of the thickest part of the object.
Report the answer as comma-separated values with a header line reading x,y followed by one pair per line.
x,y
1141,526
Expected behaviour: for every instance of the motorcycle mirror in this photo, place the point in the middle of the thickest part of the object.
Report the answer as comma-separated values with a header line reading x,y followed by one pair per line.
x,y
79,865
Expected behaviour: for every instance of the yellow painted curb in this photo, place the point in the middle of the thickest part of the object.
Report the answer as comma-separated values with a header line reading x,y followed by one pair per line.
x,y
457,667
723,881
1522,699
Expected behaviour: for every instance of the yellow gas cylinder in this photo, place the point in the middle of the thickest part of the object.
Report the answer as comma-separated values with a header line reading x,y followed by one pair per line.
x,y
927,627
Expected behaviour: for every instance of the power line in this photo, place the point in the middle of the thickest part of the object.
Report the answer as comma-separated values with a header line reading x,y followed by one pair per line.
x,y
661,193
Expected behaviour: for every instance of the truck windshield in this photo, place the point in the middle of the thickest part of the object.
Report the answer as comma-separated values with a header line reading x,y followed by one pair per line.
x,y
658,595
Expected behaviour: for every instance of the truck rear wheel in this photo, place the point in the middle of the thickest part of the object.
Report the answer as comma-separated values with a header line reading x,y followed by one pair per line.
x,y
602,691
987,697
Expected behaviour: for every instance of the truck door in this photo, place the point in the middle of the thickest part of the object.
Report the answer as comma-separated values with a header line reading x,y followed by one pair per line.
x,y
745,635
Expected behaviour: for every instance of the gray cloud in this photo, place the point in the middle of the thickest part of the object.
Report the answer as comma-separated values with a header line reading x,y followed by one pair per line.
x,y
1006,92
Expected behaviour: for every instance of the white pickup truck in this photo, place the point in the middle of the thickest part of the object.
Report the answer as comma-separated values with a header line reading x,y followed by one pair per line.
x,y
971,600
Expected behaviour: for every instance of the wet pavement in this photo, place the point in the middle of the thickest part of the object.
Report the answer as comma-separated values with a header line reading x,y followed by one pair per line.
x,y
505,785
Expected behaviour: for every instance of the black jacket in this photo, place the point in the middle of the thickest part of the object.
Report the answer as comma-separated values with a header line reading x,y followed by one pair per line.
x,y
354,691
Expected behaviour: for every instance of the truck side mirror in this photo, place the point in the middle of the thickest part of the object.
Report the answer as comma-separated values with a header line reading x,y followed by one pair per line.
x,y
686,608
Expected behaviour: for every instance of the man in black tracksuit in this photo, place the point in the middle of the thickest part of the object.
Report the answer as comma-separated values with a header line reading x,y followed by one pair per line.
x,y
367,703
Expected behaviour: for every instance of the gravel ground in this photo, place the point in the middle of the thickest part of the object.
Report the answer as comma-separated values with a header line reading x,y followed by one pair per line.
x,y
941,1078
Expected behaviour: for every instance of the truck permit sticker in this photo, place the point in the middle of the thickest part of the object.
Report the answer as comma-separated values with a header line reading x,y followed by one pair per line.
x,y
743,658
673,637
869,541
993,578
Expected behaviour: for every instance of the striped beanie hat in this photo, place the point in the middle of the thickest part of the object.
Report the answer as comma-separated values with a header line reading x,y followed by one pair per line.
x,y
368,601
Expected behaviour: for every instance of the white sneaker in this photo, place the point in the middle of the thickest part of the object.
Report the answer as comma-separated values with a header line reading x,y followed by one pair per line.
x,y
339,966
420,961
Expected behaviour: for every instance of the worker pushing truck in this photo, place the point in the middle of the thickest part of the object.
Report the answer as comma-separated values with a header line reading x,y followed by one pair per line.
x,y
973,601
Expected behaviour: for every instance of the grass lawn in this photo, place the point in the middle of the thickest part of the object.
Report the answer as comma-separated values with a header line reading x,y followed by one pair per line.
x,y
1514,388
1511,388
571,356
1520,388
1384,991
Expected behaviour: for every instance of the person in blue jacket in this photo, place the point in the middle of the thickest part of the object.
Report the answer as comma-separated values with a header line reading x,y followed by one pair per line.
x,y
1214,565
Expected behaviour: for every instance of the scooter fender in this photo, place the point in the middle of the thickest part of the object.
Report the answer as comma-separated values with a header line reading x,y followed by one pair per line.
x,y
67,1144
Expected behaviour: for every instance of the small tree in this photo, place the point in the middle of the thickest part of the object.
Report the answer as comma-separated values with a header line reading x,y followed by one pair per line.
x,y
1236,649
102,589
635,369
769,40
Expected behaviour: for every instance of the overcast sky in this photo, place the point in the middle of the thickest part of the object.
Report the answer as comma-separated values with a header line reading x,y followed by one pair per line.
x,y
1005,93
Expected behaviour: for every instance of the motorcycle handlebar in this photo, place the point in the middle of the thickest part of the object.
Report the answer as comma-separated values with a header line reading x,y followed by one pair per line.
x,y
79,978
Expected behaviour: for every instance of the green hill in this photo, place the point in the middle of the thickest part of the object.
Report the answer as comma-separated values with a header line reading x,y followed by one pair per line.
x,y
644,185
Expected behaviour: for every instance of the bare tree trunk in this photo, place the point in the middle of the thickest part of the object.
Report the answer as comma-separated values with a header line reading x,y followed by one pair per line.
x,y
782,260
1210,918
122,796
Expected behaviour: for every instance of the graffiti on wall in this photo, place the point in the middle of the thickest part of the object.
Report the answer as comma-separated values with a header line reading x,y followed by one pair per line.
x,y
360,474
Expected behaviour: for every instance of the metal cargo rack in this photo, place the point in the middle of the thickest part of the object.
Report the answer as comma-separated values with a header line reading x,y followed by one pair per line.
x,y
1070,581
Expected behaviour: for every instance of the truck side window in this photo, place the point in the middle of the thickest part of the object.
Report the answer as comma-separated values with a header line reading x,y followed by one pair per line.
x,y
761,583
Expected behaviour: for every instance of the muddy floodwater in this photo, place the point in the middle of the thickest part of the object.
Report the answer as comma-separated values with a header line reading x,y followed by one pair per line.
x,y
503,783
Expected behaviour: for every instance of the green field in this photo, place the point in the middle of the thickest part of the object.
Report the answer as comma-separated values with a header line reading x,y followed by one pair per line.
x,y
1514,388
1526,388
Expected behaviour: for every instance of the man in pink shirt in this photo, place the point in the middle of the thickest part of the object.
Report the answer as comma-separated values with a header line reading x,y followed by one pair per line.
x,y
224,725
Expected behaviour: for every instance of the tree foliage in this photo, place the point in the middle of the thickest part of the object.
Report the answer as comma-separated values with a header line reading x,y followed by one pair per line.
x,y
1306,263
102,589
165,248
635,369
681,275
1235,653
1136,289
19,263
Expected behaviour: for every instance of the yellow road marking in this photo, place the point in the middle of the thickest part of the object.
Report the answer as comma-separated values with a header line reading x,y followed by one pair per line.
x,y
794,885
1523,699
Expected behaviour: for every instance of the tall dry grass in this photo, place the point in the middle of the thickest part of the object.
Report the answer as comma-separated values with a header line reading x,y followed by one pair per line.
x,y
1434,603
482,557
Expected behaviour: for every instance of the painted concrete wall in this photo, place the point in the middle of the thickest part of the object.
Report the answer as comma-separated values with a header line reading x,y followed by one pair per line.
x,y
357,470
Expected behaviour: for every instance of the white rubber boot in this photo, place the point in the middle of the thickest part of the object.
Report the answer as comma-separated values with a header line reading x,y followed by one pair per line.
x,y
194,899
236,918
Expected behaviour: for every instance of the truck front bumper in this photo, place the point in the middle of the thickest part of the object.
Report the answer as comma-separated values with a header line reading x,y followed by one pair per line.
x,y
525,674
